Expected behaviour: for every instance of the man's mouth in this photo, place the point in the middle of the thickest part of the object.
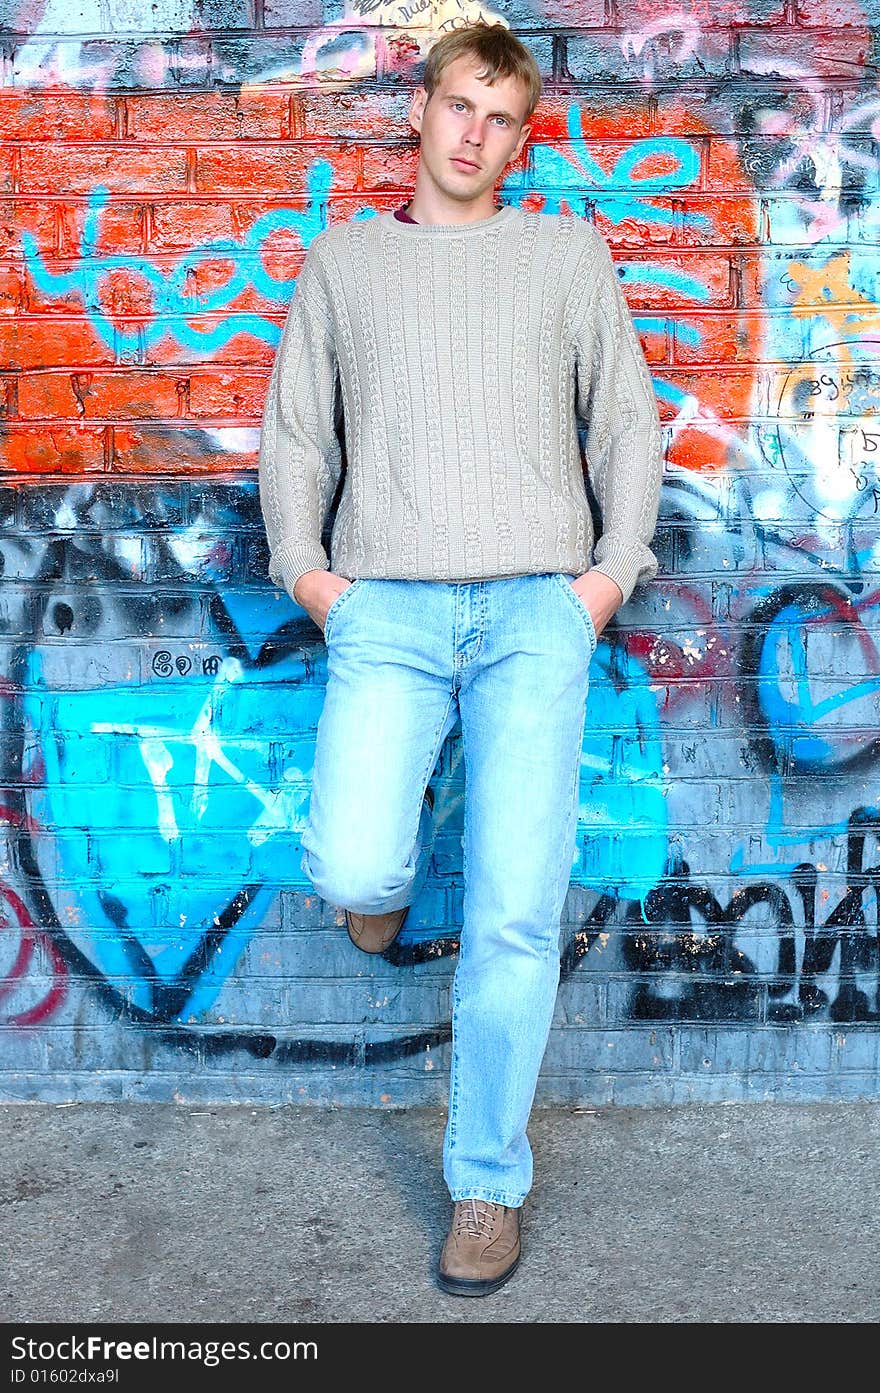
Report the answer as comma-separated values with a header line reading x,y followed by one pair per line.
x,y
465,164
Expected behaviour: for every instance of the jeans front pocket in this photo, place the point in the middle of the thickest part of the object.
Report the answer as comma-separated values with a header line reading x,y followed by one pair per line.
x,y
330,617
565,580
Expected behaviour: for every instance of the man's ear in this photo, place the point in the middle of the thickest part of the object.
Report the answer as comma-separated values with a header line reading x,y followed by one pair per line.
x,y
523,137
416,108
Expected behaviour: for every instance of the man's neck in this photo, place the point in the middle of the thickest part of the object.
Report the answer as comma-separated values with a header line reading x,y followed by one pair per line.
x,y
424,210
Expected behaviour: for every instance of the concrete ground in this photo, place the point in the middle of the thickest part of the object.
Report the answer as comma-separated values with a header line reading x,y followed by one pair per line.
x,y
157,1212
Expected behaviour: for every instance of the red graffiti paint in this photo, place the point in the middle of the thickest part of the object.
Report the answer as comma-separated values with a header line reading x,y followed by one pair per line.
x,y
15,982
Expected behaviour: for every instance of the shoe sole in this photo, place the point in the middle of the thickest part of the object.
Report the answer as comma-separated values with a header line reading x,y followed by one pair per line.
x,y
475,1286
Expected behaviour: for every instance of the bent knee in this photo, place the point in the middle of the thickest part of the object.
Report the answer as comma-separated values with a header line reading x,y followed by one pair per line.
x,y
350,886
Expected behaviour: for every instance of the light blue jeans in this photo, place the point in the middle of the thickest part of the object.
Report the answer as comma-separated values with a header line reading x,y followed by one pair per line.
x,y
510,657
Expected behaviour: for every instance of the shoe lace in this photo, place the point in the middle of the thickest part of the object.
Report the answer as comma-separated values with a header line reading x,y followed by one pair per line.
x,y
475,1217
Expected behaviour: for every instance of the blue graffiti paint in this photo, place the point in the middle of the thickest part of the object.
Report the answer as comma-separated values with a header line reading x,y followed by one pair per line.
x,y
174,305
189,817
555,170
622,782
793,716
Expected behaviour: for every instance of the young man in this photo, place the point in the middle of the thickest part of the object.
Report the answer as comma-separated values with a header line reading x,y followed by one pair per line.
x,y
454,344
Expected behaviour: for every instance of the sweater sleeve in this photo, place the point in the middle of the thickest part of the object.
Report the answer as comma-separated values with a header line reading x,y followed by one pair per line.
x,y
300,456
615,399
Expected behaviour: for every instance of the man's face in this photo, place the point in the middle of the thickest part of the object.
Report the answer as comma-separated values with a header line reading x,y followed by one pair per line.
x,y
469,130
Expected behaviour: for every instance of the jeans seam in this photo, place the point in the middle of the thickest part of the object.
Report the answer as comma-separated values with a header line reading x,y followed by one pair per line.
x,y
453,1084
456,998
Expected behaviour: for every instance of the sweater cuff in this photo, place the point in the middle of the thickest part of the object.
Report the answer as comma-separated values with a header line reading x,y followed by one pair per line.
x,y
627,563
290,561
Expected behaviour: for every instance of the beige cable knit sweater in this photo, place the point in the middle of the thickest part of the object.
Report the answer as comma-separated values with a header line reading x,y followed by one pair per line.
x,y
453,361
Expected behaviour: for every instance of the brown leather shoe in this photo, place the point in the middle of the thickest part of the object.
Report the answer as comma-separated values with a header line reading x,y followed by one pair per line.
x,y
373,933
482,1248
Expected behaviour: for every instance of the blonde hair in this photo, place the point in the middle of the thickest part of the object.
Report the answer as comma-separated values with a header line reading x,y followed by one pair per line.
x,y
500,53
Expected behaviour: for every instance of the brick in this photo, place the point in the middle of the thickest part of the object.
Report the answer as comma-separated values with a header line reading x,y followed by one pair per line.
x,y
100,1050
119,395
63,450
856,1049
278,58
581,1001
566,14
598,114
21,1049
208,16
728,396
163,117
751,12
185,224
849,112
638,232
173,450
42,342
831,55
7,171
12,290
118,61
696,757
364,1003
785,1051
716,220
297,14
351,115
603,1051
828,14
20,215
283,226
721,338
55,300
276,168
761,158
602,55
120,228
9,497
664,280
788,226
211,503
710,546
232,393
81,168
637,1090
390,167
268,284
342,207
805,276
45,116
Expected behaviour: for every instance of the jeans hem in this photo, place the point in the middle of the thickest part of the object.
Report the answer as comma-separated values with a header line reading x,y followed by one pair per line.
x,y
490,1196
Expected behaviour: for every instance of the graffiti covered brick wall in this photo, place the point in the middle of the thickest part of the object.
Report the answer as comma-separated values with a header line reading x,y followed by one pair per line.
x,y
164,168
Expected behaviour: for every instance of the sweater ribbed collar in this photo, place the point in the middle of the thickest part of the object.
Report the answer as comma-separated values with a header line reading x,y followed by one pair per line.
x,y
444,230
